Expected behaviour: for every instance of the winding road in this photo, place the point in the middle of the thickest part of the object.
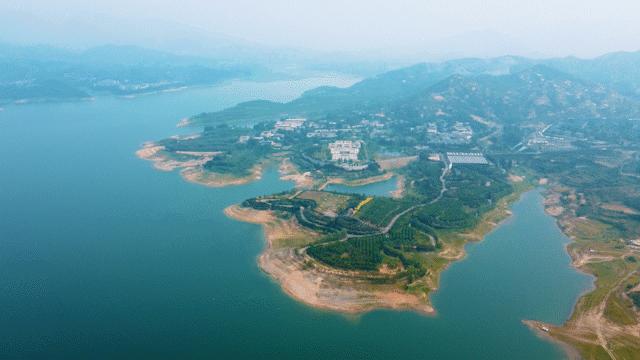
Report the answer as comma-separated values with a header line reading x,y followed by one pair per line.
x,y
393,221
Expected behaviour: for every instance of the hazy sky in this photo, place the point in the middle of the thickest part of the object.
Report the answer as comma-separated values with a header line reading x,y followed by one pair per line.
x,y
408,27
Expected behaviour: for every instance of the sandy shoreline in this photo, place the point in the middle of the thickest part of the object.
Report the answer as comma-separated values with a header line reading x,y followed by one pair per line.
x,y
284,258
163,161
399,191
191,167
537,327
587,325
198,175
317,285
289,172
320,286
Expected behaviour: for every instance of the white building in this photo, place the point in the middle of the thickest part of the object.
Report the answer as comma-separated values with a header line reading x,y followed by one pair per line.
x,y
345,150
463,130
322,133
267,134
289,124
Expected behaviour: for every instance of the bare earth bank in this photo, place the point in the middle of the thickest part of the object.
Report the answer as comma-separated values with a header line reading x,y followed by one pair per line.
x,y
314,284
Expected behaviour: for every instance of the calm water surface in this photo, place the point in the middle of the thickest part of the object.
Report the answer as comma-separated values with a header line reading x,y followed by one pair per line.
x,y
102,256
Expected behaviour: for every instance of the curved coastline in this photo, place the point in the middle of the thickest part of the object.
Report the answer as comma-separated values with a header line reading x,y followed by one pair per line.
x,y
317,285
323,287
191,169
313,283
588,330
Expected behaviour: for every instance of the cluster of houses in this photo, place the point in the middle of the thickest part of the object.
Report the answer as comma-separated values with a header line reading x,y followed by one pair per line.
x,y
458,133
346,154
274,136
540,141
289,124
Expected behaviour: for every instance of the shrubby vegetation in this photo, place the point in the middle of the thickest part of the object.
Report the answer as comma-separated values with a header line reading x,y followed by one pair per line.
x,y
237,162
595,185
234,157
425,174
363,253
305,212
532,122
353,239
366,254
477,187
446,215
381,210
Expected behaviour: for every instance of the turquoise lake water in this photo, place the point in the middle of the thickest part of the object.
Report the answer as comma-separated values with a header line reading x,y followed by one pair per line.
x,y
102,256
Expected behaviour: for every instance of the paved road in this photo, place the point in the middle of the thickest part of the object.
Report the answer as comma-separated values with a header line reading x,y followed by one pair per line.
x,y
443,189
393,221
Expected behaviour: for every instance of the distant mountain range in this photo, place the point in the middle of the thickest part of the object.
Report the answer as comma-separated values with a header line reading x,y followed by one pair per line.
x,y
45,73
537,93
503,89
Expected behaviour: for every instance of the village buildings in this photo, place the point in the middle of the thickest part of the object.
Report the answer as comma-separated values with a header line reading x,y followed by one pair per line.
x,y
345,150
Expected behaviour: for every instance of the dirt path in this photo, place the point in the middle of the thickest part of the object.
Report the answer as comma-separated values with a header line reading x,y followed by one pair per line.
x,y
432,240
600,319
582,258
443,182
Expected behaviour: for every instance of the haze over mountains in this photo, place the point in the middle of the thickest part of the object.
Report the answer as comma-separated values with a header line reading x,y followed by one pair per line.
x,y
501,89
493,88
409,30
45,73
540,92
216,41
